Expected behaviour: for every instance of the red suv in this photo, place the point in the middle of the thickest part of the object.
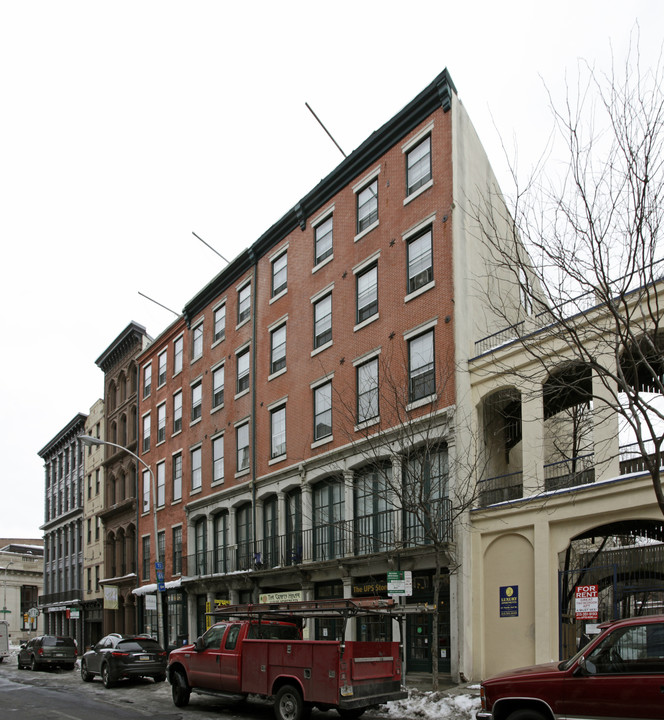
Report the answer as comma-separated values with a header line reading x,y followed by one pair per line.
x,y
619,674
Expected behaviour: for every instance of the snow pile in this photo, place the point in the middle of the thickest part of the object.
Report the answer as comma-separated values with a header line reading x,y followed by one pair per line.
x,y
436,705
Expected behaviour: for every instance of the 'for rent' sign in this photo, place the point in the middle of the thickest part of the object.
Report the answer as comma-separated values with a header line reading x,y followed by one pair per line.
x,y
587,602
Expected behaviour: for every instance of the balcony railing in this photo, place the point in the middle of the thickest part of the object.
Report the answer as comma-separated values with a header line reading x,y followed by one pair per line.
x,y
570,473
500,489
65,596
347,538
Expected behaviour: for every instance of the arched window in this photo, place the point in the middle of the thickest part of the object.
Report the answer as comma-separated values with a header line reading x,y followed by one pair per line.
x,y
200,540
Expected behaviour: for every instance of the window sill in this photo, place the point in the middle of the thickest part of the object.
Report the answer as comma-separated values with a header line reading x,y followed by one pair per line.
x,y
197,491
366,231
218,342
420,291
176,432
367,423
195,422
276,374
322,441
176,502
217,483
244,322
322,263
242,473
418,192
217,408
366,322
241,393
280,294
321,348
278,459
422,402
195,359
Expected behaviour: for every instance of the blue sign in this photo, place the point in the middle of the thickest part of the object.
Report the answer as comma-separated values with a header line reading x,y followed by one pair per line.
x,y
509,601
159,566
161,587
160,577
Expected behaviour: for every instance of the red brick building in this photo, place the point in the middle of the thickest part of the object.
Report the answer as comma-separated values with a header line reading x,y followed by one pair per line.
x,y
269,412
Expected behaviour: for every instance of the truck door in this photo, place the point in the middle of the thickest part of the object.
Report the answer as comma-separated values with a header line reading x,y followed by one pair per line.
x,y
229,660
204,664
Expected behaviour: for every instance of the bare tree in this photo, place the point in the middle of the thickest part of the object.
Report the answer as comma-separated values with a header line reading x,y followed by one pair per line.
x,y
412,492
584,252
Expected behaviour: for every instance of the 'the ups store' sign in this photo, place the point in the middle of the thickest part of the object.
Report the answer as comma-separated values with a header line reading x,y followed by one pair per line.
x,y
586,602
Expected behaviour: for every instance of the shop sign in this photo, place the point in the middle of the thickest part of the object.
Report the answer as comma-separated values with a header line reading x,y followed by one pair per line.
x,y
281,597
111,597
509,601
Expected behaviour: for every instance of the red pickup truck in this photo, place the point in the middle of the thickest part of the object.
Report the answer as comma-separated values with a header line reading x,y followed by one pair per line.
x,y
247,654
619,674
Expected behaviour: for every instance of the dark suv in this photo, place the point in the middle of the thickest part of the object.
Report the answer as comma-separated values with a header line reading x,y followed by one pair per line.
x,y
48,651
122,656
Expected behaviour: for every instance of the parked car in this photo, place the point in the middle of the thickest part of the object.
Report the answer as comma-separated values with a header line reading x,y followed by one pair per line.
x,y
123,656
48,651
619,674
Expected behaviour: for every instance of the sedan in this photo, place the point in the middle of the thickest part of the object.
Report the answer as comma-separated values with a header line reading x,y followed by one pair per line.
x,y
124,656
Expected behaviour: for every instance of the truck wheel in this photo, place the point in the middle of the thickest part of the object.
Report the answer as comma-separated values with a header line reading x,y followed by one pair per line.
x,y
526,714
180,689
288,704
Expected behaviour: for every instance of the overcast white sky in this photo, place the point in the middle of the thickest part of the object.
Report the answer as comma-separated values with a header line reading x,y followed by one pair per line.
x,y
125,126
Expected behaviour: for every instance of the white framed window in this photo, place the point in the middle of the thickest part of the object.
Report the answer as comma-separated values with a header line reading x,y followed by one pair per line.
x,y
161,423
367,293
367,206
178,352
220,323
218,459
421,366
278,432
147,380
418,165
278,349
243,303
177,411
323,240
218,380
323,410
146,491
162,363
196,400
420,260
197,341
280,274
367,390
177,476
196,469
161,484
146,432
242,359
323,321
242,445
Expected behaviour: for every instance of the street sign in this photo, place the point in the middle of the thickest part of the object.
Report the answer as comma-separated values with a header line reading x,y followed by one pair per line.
x,y
160,577
5,611
161,587
159,566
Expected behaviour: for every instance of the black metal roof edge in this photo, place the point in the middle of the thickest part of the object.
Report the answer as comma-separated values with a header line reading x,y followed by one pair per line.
x,y
133,332
437,94
68,429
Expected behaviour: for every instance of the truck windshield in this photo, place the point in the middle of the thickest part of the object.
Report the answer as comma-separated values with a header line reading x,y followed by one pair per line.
x,y
272,631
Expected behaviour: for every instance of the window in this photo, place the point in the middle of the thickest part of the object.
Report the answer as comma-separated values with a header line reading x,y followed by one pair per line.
x,y
278,349
161,485
161,423
278,432
323,321
177,551
220,323
177,477
367,206
373,521
197,341
218,459
420,265
162,368
323,240
328,502
244,534
242,434
220,542
196,473
243,303
279,274
146,558
421,375
218,387
196,400
270,555
418,166
367,293
178,352
177,411
147,380
243,370
146,432
200,543
146,491
323,411
426,502
367,391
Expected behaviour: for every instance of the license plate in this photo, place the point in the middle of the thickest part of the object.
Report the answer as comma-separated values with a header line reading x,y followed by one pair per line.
x,y
59,654
143,657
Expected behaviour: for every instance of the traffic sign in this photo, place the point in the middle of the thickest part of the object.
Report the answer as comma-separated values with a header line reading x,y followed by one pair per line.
x,y
160,577
161,587
159,566
5,611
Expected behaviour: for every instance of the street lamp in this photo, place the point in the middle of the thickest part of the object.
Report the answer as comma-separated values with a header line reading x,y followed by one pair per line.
x,y
4,604
89,440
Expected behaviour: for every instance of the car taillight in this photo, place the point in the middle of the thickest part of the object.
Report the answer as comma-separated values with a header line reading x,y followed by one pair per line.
x,y
162,654
483,697
116,653
40,651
